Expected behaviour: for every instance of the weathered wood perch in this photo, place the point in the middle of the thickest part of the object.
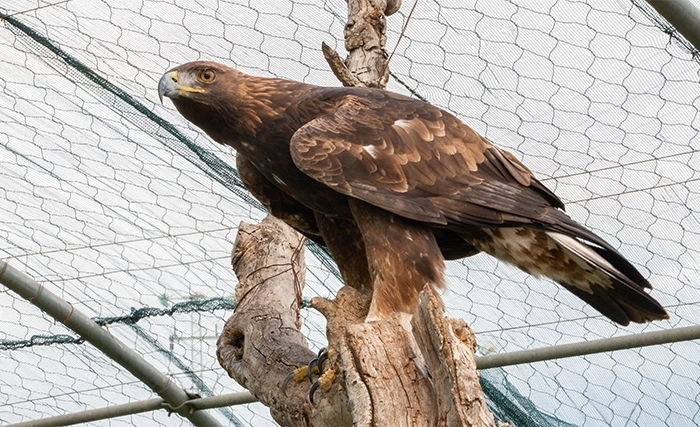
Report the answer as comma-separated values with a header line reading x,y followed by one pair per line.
x,y
396,372
261,343
401,371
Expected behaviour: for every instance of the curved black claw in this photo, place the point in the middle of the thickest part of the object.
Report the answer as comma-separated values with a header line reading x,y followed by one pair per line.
x,y
286,379
323,355
325,382
316,364
326,378
312,391
315,367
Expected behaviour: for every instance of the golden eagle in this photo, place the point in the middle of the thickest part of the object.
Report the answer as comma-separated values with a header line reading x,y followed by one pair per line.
x,y
394,186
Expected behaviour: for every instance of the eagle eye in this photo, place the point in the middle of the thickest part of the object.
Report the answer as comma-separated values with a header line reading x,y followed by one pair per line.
x,y
206,75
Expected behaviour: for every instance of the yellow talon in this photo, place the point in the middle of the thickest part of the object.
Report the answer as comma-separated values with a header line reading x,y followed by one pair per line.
x,y
300,374
315,367
326,380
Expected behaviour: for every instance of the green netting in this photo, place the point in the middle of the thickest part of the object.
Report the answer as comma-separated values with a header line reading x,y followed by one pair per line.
x,y
118,205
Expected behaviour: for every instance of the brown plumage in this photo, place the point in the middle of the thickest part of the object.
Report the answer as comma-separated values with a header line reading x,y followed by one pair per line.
x,y
393,186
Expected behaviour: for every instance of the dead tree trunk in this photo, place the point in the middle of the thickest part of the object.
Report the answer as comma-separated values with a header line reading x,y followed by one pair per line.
x,y
401,371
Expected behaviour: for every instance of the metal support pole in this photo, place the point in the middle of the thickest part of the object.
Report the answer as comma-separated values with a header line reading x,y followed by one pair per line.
x,y
231,399
483,362
95,414
137,408
175,397
65,313
589,347
682,14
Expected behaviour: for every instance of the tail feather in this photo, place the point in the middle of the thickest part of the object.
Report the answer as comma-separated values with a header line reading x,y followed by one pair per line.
x,y
621,304
624,300
594,272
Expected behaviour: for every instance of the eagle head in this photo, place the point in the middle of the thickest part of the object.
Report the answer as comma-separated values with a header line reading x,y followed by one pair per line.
x,y
220,100
204,93
194,81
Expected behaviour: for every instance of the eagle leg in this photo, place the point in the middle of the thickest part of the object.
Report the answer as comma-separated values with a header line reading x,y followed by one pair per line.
x,y
403,257
344,241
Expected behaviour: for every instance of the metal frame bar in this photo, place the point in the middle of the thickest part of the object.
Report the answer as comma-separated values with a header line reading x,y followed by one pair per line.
x,y
95,414
603,345
684,15
65,313
174,397
137,408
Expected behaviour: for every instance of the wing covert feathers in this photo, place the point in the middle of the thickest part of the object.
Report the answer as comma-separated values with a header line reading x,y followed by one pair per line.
x,y
417,161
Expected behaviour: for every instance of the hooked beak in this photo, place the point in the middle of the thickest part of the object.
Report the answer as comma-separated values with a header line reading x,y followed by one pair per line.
x,y
169,86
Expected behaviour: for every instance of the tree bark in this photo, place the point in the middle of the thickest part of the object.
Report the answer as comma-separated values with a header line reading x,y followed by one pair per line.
x,y
448,346
365,41
401,371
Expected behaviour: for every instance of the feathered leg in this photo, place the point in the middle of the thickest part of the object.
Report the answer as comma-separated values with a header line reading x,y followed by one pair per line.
x,y
344,242
402,259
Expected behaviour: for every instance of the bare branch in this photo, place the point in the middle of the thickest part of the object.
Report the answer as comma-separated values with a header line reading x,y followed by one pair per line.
x,y
261,342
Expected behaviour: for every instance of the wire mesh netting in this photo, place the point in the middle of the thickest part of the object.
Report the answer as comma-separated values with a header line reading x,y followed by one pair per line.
x,y
117,204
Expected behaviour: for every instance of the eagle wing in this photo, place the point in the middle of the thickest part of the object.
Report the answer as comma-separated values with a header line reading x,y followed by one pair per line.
x,y
418,161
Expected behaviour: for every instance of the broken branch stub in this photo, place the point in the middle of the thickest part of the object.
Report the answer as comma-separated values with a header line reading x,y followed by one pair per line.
x,y
365,41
